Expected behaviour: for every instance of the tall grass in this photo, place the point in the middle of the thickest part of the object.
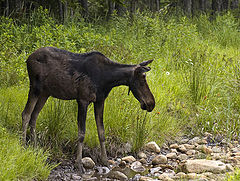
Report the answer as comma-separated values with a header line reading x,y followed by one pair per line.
x,y
18,163
194,76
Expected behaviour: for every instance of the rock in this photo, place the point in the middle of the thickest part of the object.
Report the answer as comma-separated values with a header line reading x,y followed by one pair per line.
x,y
152,146
142,155
88,163
117,175
122,164
102,170
174,146
203,165
191,152
159,159
216,156
183,141
171,155
182,157
165,177
189,147
235,150
194,140
216,149
181,175
229,168
137,167
144,178
155,170
192,176
182,149
111,162
143,161
129,159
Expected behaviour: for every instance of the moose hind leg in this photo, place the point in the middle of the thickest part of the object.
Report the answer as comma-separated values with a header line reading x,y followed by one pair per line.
x,y
38,107
82,114
26,114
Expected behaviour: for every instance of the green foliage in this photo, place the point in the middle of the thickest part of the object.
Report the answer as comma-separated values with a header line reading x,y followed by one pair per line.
x,y
18,163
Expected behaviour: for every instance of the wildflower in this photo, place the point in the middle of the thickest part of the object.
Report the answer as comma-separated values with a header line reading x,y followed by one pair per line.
x,y
167,73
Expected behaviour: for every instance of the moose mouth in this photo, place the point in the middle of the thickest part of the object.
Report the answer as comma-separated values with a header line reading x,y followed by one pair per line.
x,y
148,107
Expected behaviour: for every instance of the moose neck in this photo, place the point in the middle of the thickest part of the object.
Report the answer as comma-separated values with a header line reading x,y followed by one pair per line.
x,y
120,75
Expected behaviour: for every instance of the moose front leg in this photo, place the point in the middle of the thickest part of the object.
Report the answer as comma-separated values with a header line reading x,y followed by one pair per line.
x,y
82,113
98,110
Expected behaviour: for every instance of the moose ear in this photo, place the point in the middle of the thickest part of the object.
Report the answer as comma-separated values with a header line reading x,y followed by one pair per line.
x,y
146,63
141,69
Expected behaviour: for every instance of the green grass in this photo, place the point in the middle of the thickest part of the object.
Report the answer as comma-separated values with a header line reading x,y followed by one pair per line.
x,y
195,77
235,176
18,163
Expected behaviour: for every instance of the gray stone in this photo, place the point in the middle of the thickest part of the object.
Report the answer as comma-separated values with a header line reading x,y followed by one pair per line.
x,y
174,146
117,175
182,157
152,146
142,155
159,159
137,167
88,163
203,165
171,155
182,149
144,178
216,149
189,147
191,152
129,159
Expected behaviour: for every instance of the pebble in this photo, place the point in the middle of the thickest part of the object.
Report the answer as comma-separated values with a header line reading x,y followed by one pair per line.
x,y
129,159
154,162
152,146
159,159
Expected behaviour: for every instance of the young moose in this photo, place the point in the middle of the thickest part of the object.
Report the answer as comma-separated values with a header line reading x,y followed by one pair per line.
x,y
87,77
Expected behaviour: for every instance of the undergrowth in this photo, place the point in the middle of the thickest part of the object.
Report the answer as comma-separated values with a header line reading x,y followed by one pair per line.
x,y
18,163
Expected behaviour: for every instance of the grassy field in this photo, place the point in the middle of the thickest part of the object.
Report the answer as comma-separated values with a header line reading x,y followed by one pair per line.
x,y
195,79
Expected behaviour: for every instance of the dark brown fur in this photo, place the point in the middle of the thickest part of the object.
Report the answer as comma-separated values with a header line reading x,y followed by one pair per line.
x,y
86,78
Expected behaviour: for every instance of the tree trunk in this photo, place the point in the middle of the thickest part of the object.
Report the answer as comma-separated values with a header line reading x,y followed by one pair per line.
x,y
7,8
84,4
187,6
234,4
157,5
61,11
111,6
202,5
225,4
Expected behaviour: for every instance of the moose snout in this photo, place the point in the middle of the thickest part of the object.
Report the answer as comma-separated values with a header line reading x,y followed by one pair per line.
x,y
149,106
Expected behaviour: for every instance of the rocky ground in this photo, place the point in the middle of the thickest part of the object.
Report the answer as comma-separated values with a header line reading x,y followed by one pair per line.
x,y
207,159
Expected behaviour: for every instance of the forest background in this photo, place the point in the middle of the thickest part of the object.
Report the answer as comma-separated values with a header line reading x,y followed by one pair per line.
x,y
195,76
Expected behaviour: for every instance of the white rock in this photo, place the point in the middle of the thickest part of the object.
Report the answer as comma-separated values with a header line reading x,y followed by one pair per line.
x,y
182,149
216,149
129,159
174,146
171,155
88,163
137,167
117,175
182,157
203,165
152,146
159,159
142,155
